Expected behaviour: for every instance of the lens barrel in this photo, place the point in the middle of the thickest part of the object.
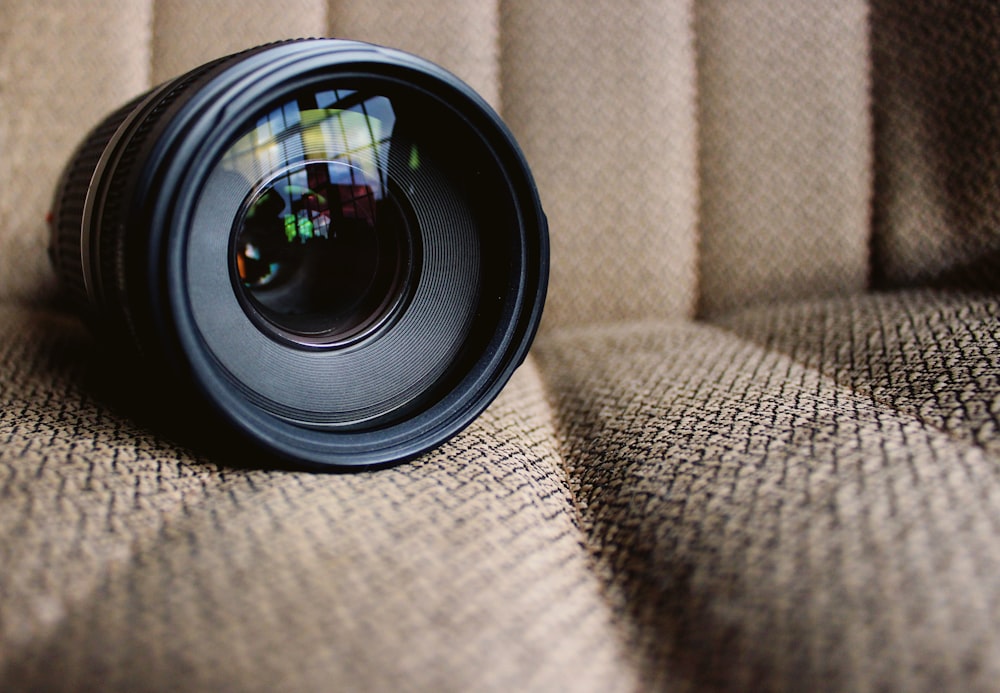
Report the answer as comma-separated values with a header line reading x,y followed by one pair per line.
x,y
337,247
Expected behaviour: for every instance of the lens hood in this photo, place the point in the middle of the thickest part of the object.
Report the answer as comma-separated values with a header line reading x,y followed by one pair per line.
x,y
336,248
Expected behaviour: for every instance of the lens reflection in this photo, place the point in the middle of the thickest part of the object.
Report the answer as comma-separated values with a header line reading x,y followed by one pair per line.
x,y
323,252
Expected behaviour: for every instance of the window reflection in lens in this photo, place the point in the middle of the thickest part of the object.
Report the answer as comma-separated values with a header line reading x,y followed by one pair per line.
x,y
322,250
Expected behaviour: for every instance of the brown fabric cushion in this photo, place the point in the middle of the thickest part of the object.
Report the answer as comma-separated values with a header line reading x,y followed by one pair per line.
x,y
932,356
602,100
132,563
183,35
800,498
797,497
936,67
785,150
63,66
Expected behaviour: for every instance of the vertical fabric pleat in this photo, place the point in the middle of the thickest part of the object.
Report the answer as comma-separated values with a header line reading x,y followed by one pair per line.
x,y
785,150
460,35
937,127
188,33
603,102
63,65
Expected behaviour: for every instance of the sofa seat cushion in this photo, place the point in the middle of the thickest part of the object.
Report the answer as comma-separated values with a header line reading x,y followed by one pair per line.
x,y
131,562
796,496
793,496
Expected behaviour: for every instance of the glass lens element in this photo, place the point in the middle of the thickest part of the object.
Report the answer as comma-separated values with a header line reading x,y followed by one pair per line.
x,y
322,251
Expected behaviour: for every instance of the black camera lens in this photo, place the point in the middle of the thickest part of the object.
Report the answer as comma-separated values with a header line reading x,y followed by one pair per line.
x,y
337,246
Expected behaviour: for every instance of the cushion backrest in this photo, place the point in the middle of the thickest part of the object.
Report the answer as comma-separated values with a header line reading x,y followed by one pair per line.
x,y
692,157
936,93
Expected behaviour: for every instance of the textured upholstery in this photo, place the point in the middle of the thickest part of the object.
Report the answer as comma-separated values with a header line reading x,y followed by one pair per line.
x,y
802,496
754,448
785,150
937,121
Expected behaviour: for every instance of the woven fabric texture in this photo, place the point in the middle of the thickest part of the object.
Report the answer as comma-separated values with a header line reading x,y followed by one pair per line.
x,y
772,502
755,446
785,161
603,103
130,563
800,498
937,125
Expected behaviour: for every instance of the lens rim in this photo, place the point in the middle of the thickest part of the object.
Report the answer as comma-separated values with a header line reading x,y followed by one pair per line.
x,y
179,159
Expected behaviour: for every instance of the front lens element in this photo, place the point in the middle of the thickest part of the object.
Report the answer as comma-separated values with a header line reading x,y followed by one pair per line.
x,y
323,252
319,256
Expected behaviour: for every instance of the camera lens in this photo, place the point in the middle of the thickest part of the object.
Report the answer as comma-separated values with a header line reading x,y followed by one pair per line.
x,y
338,247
